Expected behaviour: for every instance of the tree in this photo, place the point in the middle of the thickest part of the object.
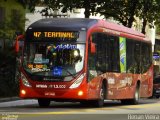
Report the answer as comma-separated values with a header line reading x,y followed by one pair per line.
x,y
89,5
125,11
14,22
121,10
149,13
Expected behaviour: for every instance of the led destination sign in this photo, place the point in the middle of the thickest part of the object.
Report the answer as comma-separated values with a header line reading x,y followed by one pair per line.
x,y
70,35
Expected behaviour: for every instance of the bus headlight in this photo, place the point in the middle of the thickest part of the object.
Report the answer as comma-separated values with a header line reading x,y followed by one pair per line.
x,y
23,92
78,81
25,81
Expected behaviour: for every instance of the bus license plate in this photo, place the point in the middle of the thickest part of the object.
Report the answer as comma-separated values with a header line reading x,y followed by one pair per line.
x,y
49,94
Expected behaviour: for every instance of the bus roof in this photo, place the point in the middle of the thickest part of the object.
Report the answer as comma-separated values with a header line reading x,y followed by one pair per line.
x,y
122,29
51,24
70,23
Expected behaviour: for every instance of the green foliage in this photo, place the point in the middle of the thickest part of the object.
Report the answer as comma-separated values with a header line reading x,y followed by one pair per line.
x,y
13,20
123,11
149,11
8,84
9,26
88,5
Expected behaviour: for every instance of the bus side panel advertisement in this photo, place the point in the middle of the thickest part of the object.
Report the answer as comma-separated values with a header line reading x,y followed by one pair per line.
x,y
122,47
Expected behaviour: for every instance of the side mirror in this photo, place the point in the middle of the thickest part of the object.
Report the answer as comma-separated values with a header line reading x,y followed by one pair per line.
x,y
93,48
18,38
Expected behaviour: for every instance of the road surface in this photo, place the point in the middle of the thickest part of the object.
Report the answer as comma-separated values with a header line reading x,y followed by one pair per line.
x,y
148,109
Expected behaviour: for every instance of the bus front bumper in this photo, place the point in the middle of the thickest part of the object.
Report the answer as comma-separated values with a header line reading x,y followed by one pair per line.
x,y
70,94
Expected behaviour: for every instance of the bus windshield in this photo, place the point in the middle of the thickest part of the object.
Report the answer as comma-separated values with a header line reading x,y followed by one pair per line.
x,y
54,59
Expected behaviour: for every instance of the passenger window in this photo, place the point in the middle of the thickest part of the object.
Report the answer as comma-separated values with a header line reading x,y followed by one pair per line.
x,y
107,53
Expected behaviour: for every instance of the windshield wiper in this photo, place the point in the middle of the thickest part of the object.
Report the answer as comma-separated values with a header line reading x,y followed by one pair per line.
x,y
74,76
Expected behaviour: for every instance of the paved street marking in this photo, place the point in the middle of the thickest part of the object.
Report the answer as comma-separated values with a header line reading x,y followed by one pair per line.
x,y
85,110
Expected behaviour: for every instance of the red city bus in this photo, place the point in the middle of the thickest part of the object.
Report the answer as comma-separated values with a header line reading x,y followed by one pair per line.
x,y
85,60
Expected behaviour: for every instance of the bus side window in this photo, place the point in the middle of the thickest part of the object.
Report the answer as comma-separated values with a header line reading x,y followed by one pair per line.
x,y
131,66
133,56
137,50
107,53
146,58
92,59
113,53
101,64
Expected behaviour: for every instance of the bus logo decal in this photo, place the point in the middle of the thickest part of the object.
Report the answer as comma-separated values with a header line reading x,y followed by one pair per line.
x,y
57,71
66,46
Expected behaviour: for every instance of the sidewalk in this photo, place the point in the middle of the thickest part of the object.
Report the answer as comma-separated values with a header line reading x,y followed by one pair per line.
x,y
6,99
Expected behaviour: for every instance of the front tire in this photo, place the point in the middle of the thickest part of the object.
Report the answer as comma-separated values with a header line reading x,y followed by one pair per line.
x,y
100,101
44,102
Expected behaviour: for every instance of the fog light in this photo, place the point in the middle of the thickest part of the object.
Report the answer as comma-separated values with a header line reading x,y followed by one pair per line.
x,y
80,93
23,92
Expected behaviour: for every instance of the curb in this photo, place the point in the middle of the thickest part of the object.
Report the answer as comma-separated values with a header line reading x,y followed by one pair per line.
x,y
9,99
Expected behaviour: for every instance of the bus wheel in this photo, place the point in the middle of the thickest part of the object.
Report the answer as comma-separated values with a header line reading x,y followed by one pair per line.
x,y
133,101
100,101
44,102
